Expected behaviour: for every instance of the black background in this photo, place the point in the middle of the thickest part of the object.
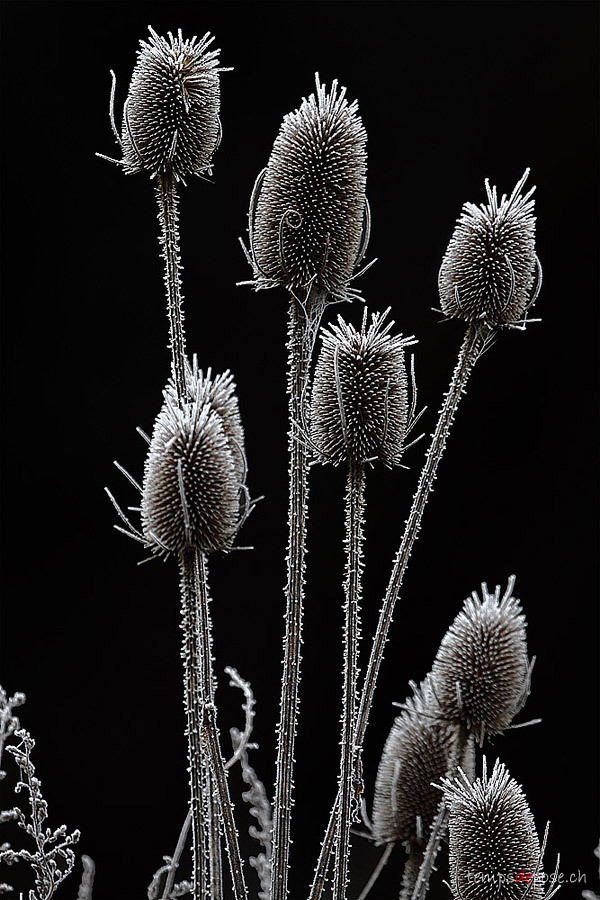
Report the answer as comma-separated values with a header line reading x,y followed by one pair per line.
x,y
450,94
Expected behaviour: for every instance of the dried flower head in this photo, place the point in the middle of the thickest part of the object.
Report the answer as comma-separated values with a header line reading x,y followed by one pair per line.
x,y
219,394
193,473
416,753
490,270
493,839
308,210
359,407
481,673
171,115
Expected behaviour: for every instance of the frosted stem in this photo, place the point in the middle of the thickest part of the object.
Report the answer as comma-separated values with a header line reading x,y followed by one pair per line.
x,y
303,321
475,338
166,193
194,690
204,754
352,587
440,824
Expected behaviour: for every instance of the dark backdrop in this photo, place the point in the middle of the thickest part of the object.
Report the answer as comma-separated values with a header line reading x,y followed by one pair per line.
x,y
450,93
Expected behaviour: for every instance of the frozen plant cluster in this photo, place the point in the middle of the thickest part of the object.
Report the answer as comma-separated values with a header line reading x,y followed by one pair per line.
x,y
352,402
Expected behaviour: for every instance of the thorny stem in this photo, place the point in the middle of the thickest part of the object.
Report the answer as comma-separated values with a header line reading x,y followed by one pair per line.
x,y
207,840
477,335
203,740
211,812
354,539
194,676
302,321
440,823
166,193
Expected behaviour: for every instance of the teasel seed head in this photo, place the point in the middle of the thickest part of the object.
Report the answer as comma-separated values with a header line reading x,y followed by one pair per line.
x,y
308,222
490,270
219,394
492,838
481,674
416,753
359,406
171,115
193,476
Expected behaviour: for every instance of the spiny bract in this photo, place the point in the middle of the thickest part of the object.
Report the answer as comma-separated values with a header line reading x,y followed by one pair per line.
x,y
481,671
416,753
310,206
492,839
359,408
193,476
171,115
490,270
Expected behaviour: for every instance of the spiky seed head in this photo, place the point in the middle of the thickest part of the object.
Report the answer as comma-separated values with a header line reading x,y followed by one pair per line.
x,y
219,392
171,116
492,838
359,405
417,752
307,225
481,671
490,268
192,480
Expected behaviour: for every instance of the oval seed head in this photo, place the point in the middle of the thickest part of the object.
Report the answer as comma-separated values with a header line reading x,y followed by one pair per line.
x,y
359,405
171,115
416,753
492,839
481,672
192,486
307,222
490,270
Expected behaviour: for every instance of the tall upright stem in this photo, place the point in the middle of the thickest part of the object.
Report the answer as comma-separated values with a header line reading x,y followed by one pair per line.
x,y
206,840
303,320
194,691
354,540
477,334
202,732
168,216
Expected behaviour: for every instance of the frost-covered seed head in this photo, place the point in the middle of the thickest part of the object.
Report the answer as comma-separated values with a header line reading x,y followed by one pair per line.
x,y
490,267
307,226
417,752
481,671
492,839
359,406
171,116
219,394
192,477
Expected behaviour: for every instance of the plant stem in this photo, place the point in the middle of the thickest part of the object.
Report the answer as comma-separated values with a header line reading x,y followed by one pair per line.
x,y
166,193
475,338
438,829
176,857
207,841
204,752
354,540
303,321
